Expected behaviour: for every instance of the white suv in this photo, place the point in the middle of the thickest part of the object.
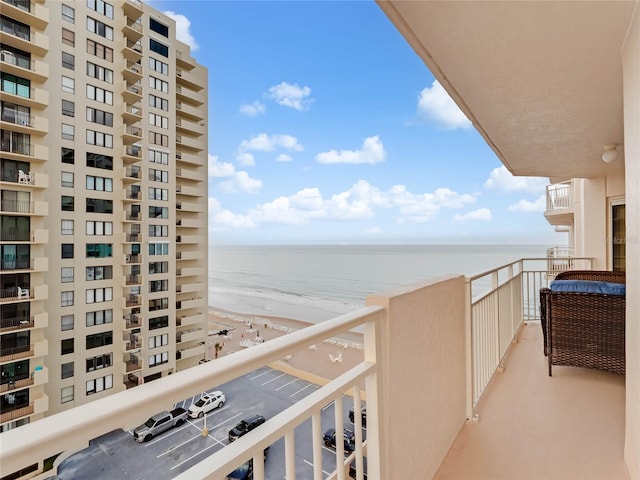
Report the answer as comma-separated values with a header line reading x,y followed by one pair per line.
x,y
206,403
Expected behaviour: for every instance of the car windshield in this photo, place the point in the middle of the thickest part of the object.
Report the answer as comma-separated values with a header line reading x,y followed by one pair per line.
x,y
242,425
240,472
150,423
200,402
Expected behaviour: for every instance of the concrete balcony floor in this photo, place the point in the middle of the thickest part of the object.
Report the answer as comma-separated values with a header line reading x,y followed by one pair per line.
x,y
532,426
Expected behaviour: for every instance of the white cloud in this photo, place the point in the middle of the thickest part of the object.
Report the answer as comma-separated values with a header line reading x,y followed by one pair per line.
x,y
539,205
501,179
290,95
480,214
373,231
183,24
419,208
371,152
283,157
265,143
241,182
221,219
253,109
435,104
219,169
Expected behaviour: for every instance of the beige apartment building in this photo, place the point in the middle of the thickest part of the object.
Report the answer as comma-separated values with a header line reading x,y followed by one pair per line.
x,y
103,217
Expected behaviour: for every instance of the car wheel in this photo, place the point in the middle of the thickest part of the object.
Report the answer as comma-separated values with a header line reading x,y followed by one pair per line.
x,y
327,444
221,404
147,438
179,422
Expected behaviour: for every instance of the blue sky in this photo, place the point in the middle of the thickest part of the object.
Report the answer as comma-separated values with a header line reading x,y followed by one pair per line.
x,y
326,127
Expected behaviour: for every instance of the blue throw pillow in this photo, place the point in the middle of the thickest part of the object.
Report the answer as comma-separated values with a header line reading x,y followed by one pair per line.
x,y
587,286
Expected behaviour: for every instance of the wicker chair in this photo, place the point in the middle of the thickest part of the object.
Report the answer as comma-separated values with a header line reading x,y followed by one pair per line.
x,y
584,329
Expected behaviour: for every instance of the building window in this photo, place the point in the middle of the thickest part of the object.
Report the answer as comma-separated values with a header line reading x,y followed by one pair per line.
x,y
66,346
158,102
99,28
67,250
99,228
158,230
158,47
99,95
66,299
68,131
158,286
158,359
99,273
99,295
99,50
158,322
99,139
158,212
98,116
66,274
67,155
158,249
66,322
68,37
68,108
158,139
97,160
101,184
98,205
68,14
99,250
159,121
66,227
158,193
67,370
16,85
99,384
66,179
68,85
158,66
99,317
158,304
99,340
158,267
159,27
67,203
66,394
68,61
99,72
99,362
155,156
158,175
158,84
101,6
159,340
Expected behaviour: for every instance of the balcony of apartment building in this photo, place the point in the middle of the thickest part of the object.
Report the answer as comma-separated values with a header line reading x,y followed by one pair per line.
x,y
132,113
132,341
188,142
190,319
24,207
186,190
184,60
188,222
18,118
17,146
189,80
20,345
193,128
132,71
132,319
560,203
190,286
187,159
132,9
19,35
133,300
25,11
189,335
132,92
22,321
132,194
189,207
131,174
132,258
18,258
132,50
132,214
132,134
21,404
190,96
19,376
131,236
24,177
189,174
189,111
435,354
20,64
190,239
133,30
191,302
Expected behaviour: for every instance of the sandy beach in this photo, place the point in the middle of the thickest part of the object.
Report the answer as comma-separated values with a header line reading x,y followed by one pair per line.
x,y
317,362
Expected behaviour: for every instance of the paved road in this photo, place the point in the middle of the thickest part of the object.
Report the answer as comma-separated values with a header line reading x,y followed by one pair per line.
x,y
117,455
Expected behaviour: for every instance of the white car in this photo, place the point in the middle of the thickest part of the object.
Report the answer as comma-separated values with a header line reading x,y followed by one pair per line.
x,y
207,402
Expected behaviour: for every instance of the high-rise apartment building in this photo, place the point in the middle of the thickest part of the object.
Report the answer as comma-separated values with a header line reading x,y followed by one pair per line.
x,y
103,218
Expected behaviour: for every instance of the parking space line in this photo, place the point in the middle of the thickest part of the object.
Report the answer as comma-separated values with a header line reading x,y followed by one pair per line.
x,y
289,383
275,378
193,456
327,406
311,465
260,374
162,437
303,388
184,443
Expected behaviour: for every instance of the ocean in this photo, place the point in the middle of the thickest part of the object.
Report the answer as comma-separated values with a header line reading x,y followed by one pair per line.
x,y
317,282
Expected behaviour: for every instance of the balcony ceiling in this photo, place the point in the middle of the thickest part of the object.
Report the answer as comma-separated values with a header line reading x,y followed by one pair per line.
x,y
541,81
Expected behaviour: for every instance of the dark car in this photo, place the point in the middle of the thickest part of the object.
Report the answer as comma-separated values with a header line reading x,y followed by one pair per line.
x,y
245,471
245,426
353,472
364,417
329,439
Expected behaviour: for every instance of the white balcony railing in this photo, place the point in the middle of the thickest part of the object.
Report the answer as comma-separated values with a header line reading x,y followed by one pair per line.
x,y
424,347
559,196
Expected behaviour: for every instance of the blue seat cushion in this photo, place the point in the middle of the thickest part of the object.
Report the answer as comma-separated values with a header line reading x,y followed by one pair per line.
x,y
587,286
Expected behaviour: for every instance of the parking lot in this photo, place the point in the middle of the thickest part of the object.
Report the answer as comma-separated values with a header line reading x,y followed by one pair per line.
x,y
265,391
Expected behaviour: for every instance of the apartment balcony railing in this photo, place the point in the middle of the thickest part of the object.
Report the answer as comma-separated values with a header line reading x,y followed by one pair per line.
x,y
18,323
559,196
461,327
15,384
16,353
15,413
132,321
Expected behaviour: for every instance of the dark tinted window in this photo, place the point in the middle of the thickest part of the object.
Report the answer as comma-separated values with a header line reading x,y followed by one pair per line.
x,y
159,28
158,48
